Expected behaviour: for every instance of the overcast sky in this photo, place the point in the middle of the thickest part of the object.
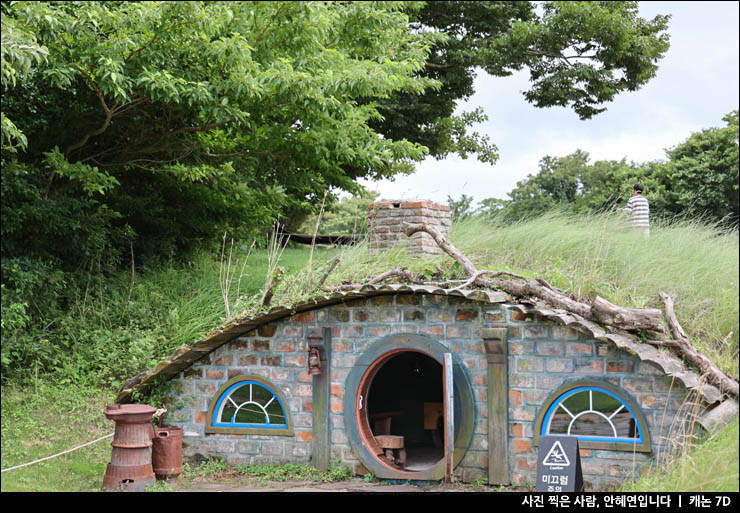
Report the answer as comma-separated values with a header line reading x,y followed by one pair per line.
x,y
695,86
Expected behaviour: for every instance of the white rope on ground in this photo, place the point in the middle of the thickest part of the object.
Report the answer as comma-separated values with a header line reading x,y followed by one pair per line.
x,y
54,456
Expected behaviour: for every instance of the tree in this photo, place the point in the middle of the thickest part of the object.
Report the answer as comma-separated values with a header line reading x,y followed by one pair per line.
x,y
701,175
570,183
187,118
699,179
579,55
345,216
160,125
461,208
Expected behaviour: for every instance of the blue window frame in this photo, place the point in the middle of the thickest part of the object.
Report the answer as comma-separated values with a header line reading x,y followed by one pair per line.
x,y
599,414
249,404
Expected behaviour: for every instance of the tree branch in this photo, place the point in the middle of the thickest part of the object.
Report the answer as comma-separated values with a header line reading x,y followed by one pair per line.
x,y
714,374
106,122
624,318
132,54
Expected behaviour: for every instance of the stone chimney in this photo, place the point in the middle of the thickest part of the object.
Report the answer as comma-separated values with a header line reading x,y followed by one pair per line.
x,y
386,225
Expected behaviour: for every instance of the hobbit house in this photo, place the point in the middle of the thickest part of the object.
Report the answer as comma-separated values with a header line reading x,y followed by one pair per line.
x,y
398,380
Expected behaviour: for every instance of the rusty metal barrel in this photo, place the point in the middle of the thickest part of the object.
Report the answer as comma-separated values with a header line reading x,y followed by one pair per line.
x,y
130,468
167,452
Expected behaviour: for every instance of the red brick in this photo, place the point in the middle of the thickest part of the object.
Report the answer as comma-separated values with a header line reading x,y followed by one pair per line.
x,y
285,346
235,372
305,436
515,396
271,361
517,430
620,366
519,316
576,348
409,299
247,360
261,345
432,330
464,314
239,344
200,416
226,359
304,317
337,390
340,345
337,406
214,374
414,204
526,464
382,300
522,446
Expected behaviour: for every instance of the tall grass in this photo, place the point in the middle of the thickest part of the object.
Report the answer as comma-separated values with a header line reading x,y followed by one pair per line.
x,y
587,256
710,466
599,255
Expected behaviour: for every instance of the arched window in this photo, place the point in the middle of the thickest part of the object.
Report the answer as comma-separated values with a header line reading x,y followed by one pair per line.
x,y
599,414
249,404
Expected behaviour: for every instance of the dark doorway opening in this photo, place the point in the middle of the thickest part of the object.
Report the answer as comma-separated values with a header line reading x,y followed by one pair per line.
x,y
405,398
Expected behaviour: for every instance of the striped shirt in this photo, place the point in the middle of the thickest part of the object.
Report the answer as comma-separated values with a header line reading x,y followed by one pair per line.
x,y
640,209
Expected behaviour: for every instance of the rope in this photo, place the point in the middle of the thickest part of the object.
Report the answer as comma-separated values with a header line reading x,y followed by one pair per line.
x,y
54,456
158,413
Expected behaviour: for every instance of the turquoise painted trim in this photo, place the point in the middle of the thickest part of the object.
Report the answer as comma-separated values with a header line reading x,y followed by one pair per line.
x,y
266,425
559,400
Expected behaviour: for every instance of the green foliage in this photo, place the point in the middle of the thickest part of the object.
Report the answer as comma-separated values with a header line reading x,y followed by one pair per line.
x,y
347,216
460,209
580,55
155,127
701,176
700,179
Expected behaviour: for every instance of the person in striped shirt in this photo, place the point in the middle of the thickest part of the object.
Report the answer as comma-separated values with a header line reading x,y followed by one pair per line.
x,y
639,208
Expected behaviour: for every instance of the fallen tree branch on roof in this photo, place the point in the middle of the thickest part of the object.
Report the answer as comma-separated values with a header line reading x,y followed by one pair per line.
x,y
714,374
396,272
600,310
328,271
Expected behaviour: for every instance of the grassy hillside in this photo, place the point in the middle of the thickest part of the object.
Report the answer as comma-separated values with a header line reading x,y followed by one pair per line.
x,y
587,256
112,328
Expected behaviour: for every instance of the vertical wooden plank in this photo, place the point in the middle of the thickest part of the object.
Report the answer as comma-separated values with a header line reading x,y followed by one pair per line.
x,y
494,340
321,397
449,417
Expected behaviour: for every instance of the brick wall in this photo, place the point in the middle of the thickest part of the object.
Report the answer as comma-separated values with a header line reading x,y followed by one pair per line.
x,y
386,225
541,357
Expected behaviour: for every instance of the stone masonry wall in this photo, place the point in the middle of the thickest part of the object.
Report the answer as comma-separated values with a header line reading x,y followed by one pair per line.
x,y
386,225
541,357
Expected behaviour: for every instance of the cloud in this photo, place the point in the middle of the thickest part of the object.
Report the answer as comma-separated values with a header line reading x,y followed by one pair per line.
x,y
696,85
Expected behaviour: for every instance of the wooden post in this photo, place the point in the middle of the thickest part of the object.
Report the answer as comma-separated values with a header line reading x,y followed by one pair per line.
x,y
321,435
494,340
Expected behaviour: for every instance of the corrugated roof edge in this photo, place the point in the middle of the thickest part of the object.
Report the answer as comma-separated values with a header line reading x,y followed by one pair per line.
x,y
672,366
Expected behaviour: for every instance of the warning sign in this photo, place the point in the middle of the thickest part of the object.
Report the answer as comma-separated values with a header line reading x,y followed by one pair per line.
x,y
559,465
556,457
